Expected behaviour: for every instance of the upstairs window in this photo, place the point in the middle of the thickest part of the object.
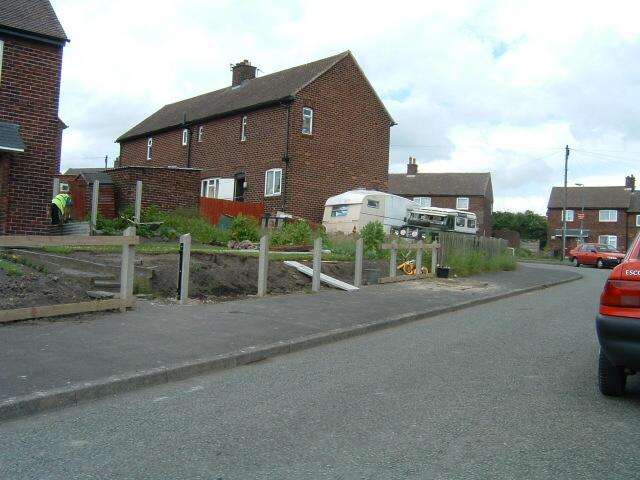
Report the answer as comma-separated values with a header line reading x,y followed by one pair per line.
x,y
273,182
185,136
1,49
200,134
423,201
243,133
462,203
637,220
149,148
608,215
307,121
569,215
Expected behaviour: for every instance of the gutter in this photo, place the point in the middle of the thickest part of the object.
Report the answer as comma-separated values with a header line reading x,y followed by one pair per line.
x,y
35,36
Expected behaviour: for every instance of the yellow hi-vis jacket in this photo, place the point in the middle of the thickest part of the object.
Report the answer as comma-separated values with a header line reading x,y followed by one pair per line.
x,y
62,200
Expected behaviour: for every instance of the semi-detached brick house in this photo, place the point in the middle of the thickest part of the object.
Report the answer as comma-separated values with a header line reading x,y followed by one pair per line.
x,y
31,43
462,191
290,139
611,215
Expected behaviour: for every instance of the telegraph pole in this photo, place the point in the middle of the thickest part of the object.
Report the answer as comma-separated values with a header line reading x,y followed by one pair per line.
x,y
564,205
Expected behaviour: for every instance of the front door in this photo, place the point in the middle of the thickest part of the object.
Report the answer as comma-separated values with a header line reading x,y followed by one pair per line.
x,y
238,191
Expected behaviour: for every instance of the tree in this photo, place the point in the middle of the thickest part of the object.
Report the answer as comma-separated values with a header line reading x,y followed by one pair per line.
x,y
529,225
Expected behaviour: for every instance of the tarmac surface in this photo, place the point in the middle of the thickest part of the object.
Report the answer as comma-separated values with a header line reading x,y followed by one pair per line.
x,y
51,364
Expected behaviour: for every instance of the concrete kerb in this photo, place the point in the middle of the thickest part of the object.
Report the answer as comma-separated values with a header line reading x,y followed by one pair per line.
x,y
74,394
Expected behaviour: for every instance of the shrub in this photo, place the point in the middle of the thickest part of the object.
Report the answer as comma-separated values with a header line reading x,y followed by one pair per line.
x,y
373,236
244,228
296,233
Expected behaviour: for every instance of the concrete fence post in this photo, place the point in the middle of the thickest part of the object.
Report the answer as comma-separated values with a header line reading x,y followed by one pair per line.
x,y
393,260
435,251
127,268
263,266
56,187
317,264
419,257
138,207
94,205
357,277
185,257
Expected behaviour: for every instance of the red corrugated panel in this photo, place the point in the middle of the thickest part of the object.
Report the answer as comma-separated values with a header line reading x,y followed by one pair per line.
x,y
213,208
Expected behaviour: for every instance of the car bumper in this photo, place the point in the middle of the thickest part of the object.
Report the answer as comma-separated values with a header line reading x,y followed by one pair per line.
x,y
619,339
610,262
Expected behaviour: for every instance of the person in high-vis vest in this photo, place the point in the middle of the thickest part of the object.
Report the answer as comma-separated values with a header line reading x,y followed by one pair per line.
x,y
60,208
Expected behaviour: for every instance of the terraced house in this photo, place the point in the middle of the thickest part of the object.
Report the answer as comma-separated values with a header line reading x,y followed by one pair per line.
x,y
609,215
31,43
289,139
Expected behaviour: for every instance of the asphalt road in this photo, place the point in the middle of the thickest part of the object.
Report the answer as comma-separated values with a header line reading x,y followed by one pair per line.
x,y
504,390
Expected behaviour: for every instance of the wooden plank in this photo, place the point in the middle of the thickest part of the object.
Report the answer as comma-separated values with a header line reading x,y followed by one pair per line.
x,y
407,246
39,241
405,278
334,282
64,309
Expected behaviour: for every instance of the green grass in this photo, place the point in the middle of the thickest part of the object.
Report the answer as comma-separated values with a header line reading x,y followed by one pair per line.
x,y
474,263
10,268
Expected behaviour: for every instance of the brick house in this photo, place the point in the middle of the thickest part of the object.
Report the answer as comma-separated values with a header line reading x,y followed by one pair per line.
x,y
31,43
289,139
611,215
462,191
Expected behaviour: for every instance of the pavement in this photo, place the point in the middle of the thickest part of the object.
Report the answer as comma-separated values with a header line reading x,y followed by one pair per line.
x,y
47,364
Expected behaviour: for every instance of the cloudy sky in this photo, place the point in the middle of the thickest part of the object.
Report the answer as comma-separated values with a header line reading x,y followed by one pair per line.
x,y
475,86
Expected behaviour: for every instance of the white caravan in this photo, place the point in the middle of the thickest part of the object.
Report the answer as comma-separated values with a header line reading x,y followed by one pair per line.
x,y
354,209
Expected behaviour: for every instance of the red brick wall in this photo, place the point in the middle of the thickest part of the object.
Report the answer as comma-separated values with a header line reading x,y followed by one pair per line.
x,y
29,91
625,228
349,147
168,188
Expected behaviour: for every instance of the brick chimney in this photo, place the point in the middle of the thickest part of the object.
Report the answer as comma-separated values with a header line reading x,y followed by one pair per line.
x,y
242,71
630,183
412,166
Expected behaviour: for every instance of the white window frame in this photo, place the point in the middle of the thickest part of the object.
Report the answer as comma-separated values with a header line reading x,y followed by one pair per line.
x,y
200,134
460,200
570,215
1,50
307,114
273,188
64,187
602,218
607,240
149,148
243,131
185,137
423,201
638,220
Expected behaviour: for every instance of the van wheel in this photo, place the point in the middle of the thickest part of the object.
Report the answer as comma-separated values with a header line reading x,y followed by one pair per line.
x,y
575,262
611,379
599,263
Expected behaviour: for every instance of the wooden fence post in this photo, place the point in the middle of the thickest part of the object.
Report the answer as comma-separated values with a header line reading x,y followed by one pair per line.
x,y
263,266
127,268
94,205
393,259
357,277
419,257
138,207
317,264
185,257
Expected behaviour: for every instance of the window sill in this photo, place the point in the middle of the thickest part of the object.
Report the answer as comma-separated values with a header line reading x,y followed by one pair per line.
x,y
273,195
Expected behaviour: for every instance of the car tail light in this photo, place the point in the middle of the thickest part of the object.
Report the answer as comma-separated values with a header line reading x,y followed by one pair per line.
x,y
621,293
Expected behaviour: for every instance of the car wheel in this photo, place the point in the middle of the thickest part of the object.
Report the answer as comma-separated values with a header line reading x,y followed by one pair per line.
x,y
611,379
599,263
575,261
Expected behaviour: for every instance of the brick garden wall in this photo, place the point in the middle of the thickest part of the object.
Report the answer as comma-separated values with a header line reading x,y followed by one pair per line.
x,y
168,188
29,91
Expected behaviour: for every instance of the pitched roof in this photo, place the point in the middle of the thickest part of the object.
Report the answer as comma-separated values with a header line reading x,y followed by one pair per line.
x,y
590,197
35,17
251,94
78,171
103,177
10,139
441,184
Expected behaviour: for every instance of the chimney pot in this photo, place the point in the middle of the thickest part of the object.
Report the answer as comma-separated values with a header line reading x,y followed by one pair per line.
x,y
412,167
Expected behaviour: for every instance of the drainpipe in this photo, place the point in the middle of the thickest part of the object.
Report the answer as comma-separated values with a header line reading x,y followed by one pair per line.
x,y
187,126
285,157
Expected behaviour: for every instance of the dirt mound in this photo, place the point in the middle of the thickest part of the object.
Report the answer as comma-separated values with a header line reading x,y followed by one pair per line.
x,y
33,288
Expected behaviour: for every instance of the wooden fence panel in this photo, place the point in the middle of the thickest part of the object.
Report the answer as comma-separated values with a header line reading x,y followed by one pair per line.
x,y
213,208
456,242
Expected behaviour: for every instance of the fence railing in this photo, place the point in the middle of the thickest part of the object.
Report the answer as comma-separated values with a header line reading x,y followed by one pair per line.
x,y
213,208
457,243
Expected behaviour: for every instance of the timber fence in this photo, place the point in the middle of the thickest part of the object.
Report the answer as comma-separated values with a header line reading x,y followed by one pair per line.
x,y
457,243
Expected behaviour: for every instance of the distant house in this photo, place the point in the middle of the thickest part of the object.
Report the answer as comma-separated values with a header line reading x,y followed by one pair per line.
x,y
289,140
31,43
462,191
610,215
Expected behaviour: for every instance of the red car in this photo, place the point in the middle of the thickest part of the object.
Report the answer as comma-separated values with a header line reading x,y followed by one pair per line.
x,y
597,254
618,324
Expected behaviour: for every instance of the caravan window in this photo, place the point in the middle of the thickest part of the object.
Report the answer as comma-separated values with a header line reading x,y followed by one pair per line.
x,y
471,223
339,210
373,204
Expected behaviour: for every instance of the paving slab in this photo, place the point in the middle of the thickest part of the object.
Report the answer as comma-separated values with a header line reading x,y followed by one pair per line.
x,y
49,364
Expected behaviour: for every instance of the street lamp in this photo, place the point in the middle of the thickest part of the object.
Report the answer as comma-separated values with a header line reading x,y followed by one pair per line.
x,y
581,185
